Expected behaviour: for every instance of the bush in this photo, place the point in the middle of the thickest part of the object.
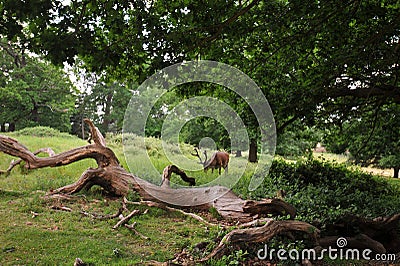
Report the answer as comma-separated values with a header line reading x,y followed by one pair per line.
x,y
322,191
41,131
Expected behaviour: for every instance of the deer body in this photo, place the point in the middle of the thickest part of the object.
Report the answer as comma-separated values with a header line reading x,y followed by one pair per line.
x,y
218,161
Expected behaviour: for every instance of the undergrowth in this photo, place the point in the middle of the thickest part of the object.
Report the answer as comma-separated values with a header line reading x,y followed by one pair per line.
x,y
323,191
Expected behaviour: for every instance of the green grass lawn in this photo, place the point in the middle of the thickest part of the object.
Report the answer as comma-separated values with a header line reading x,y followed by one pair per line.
x,y
55,237
32,232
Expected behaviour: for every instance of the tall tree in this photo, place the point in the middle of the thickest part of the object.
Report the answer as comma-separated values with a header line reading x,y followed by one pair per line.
x,y
310,58
33,92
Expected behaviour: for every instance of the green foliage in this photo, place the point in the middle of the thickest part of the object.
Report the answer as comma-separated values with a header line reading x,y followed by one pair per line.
x,y
322,191
214,213
373,138
298,140
320,61
197,129
102,100
236,258
46,238
41,131
33,92
390,161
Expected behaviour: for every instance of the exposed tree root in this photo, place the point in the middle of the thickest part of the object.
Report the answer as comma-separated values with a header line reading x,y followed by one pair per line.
x,y
381,234
262,234
360,242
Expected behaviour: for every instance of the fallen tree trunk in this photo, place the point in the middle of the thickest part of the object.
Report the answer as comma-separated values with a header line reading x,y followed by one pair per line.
x,y
263,234
380,235
115,180
14,163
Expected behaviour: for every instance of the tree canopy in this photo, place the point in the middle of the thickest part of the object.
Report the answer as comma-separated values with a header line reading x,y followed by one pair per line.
x,y
315,61
373,138
33,92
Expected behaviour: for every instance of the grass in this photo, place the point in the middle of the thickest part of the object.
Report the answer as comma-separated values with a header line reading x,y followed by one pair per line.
x,y
57,237
54,237
386,174
342,158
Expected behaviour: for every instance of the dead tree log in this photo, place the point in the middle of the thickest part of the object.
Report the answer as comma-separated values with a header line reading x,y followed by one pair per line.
x,y
360,242
262,234
114,179
14,163
380,234
166,176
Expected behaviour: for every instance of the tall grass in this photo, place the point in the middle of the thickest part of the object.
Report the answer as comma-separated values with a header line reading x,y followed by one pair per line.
x,y
52,237
47,178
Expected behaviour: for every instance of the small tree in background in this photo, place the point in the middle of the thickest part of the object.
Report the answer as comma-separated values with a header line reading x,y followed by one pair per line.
x,y
298,139
374,138
33,92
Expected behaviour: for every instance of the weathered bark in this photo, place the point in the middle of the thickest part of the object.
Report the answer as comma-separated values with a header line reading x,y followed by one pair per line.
x,y
360,242
166,177
14,163
117,181
262,234
379,234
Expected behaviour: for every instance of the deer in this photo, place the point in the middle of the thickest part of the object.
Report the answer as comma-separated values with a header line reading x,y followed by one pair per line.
x,y
218,160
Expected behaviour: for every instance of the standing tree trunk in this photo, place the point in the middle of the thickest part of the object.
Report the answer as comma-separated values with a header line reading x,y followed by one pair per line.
x,y
11,127
396,172
238,153
253,151
107,112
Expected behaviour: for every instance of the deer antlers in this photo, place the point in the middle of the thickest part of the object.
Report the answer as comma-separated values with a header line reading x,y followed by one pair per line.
x,y
198,155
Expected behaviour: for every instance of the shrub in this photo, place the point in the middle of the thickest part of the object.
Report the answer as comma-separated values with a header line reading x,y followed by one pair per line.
x,y
41,131
322,191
